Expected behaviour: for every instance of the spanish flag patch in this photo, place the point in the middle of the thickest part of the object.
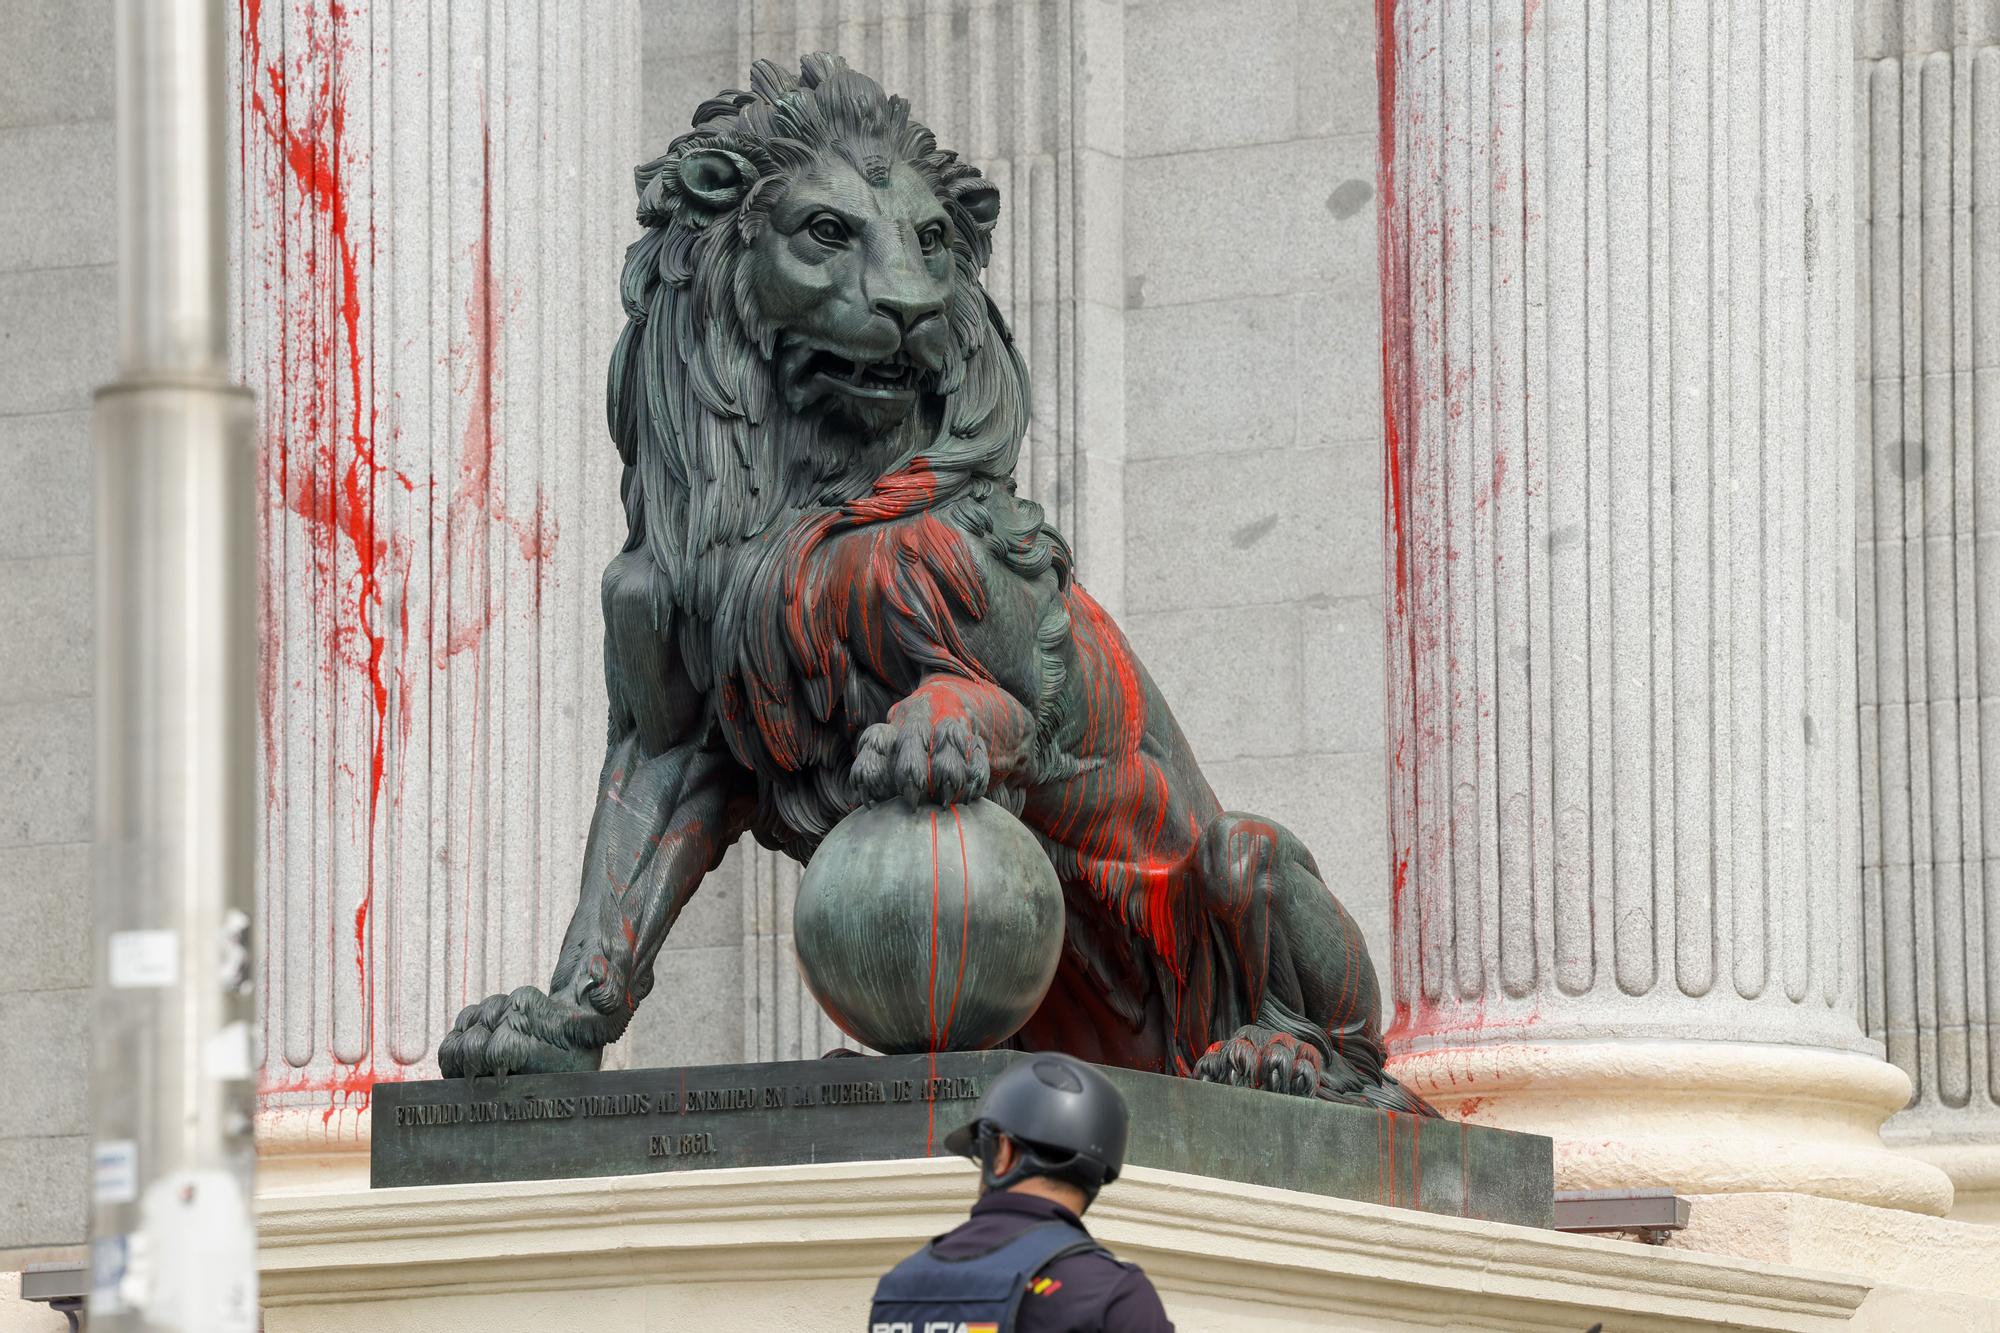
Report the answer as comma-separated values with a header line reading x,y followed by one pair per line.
x,y
980,1328
1045,1286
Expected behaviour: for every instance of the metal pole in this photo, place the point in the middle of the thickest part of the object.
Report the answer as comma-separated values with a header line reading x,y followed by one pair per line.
x,y
173,1241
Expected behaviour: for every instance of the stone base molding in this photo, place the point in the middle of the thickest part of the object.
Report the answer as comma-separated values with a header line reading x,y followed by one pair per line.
x,y
1974,1169
1693,1116
1892,1246
800,1247
300,1150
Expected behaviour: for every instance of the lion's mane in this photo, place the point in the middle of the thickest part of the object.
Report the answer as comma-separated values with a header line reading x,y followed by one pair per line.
x,y
738,502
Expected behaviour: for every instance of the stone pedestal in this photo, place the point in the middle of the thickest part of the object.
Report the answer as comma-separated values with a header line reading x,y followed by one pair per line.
x,y
801,1247
1927,114
1618,306
432,204
903,1107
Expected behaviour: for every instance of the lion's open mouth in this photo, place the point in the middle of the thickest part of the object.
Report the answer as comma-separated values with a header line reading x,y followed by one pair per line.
x,y
894,378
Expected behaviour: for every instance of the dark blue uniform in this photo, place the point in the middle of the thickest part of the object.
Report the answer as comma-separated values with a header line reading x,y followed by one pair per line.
x,y
1082,1293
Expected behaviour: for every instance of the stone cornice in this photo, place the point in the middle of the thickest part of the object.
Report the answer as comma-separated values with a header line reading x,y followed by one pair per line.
x,y
1209,1245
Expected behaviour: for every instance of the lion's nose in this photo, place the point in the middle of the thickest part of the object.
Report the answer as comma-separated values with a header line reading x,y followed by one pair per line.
x,y
927,341
919,327
907,311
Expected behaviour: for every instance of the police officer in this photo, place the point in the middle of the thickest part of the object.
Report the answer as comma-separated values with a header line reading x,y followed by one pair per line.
x,y
1049,1133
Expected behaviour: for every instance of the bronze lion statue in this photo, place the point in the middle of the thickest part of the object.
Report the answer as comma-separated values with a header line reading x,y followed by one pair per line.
x,y
830,594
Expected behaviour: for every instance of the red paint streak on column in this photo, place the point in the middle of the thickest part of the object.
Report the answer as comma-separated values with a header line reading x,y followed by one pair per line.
x,y
464,538
1398,439
1414,565
1392,259
335,495
329,478
472,488
472,502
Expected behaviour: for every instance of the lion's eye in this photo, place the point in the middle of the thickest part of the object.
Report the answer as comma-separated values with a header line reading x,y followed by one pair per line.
x,y
931,238
828,229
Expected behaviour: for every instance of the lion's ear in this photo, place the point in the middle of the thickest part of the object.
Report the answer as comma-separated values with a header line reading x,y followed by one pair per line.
x,y
981,202
715,179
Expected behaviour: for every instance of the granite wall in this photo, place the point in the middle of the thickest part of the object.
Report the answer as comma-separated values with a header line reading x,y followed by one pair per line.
x,y
57,326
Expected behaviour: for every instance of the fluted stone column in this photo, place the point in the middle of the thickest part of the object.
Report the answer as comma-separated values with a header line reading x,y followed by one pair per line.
x,y
1927,109
1618,297
433,203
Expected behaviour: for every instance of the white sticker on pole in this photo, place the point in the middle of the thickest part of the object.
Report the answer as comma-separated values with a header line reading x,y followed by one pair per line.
x,y
117,1173
227,1053
142,959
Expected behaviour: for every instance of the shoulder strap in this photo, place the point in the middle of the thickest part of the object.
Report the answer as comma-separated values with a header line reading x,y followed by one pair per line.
x,y
1044,1243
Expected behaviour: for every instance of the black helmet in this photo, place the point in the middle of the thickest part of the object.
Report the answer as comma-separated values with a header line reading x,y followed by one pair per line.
x,y
1067,1118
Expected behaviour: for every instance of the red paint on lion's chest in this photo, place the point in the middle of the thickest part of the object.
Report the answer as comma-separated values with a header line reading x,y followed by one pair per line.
x,y
869,599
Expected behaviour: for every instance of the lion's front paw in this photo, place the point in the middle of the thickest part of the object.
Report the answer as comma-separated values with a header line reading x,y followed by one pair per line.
x,y
940,762
1257,1057
525,1032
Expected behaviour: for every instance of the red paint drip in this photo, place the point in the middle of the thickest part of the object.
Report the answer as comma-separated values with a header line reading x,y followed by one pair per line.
x,y
930,1001
930,992
1392,264
1416,1162
1464,1172
964,918
1409,602
350,1088
328,479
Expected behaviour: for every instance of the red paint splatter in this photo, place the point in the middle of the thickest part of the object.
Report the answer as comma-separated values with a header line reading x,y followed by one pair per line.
x,y
321,448
348,1088
320,465
472,503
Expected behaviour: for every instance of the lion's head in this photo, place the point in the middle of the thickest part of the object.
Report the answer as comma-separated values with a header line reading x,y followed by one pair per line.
x,y
804,315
